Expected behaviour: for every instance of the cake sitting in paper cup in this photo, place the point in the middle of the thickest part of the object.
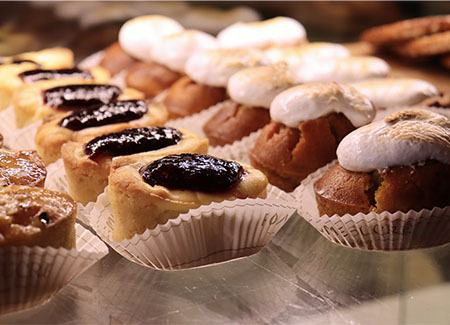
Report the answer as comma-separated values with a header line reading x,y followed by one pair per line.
x,y
399,164
308,122
145,195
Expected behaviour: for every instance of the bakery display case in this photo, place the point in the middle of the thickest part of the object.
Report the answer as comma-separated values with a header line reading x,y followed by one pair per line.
x,y
202,146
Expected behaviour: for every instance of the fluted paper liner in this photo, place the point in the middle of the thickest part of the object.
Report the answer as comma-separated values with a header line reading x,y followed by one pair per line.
x,y
210,234
14,138
375,231
33,275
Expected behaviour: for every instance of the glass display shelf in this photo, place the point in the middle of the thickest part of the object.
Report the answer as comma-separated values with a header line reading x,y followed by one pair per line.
x,y
299,278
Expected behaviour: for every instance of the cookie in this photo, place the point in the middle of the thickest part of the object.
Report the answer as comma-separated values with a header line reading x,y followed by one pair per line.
x,y
406,30
425,46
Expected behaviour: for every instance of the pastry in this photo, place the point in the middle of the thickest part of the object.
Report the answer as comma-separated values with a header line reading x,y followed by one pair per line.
x,y
445,61
392,92
85,124
308,122
57,58
251,91
279,31
87,164
143,196
207,72
34,102
406,30
425,46
399,164
115,59
440,100
21,168
347,69
33,216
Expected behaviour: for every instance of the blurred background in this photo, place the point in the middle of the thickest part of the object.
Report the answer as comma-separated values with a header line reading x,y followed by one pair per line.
x,y
89,26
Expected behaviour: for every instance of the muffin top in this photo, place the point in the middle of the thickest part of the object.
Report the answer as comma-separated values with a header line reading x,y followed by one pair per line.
x,y
406,137
311,101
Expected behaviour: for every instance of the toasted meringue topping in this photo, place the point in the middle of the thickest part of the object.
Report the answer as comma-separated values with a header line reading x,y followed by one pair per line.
x,y
311,101
403,138
396,92
174,50
281,31
215,67
344,69
138,36
258,86
316,52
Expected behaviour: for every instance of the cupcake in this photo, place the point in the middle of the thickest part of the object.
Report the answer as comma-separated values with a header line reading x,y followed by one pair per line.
x,y
399,164
145,195
252,91
279,31
307,124
115,59
394,92
207,73
87,164
138,37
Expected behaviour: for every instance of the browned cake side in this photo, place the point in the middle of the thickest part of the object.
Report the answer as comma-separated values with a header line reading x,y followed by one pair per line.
x,y
115,59
233,122
186,97
150,77
287,155
400,188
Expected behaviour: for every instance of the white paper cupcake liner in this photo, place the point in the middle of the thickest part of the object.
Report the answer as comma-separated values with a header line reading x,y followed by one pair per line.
x,y
14,138
33,275
210,234
375,231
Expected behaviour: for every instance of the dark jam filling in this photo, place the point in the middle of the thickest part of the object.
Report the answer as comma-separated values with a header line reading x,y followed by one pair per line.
x,y
131,141
19,61
193,172
39,74
117,112
76,97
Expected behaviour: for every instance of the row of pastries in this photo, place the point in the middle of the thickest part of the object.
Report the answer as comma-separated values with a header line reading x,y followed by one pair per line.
x,y
306,98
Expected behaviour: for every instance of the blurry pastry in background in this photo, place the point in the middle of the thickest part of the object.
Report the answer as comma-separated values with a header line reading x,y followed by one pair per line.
x,y
88,164
440,100
394,92
213,20
115,59
148,194
252,91
399,164
33,216
279,31
207,74
21,168
85,124
308,122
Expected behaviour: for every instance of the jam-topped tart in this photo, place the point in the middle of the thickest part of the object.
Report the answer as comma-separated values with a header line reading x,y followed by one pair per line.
x,y
83,125
33,102
146,194
21,168
33,216
88,163
12,67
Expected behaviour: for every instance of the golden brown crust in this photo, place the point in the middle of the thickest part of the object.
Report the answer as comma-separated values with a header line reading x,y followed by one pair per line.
x,y
88,178
138,206
406,30
425,46
21,168
115,59
233,122
186,97
33,216
400,188
287,155
150,77
50,136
